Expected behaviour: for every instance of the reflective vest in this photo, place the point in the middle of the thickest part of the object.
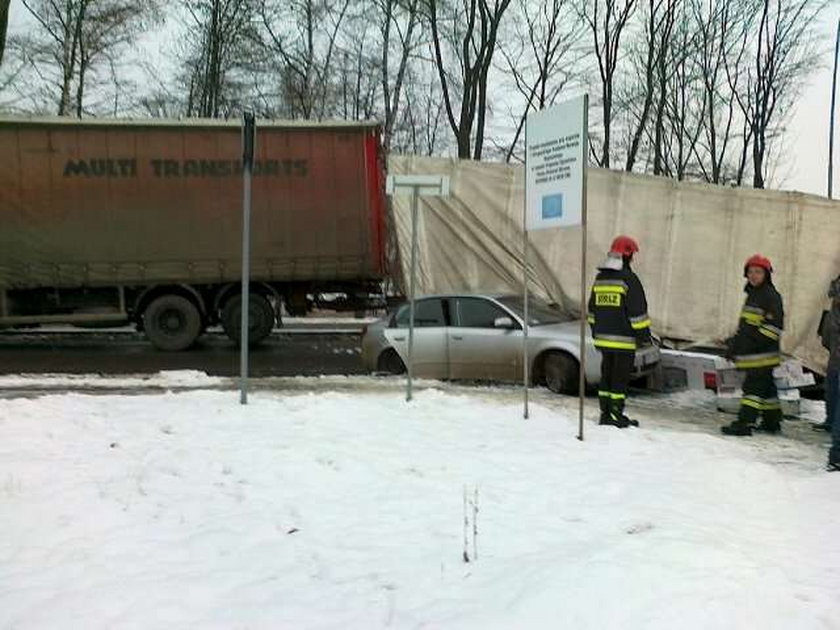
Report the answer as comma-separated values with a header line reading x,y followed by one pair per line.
x,y
618,311
757,343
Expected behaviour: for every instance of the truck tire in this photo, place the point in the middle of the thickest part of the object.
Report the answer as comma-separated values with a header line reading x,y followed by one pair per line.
x,y
261,318
561,373
172,322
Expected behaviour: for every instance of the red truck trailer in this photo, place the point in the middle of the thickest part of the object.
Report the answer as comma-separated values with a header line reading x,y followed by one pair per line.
x,y
141,221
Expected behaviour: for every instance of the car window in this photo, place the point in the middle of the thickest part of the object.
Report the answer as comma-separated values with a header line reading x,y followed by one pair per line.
x,y
427,314
539,313
477,313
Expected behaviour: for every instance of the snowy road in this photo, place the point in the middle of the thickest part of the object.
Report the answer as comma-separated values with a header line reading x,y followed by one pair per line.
x,y
344,509
299,350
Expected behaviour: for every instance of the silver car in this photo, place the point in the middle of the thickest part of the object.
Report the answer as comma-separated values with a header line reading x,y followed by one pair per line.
x,y
479,337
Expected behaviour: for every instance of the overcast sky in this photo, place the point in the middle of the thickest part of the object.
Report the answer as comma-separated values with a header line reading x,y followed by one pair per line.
x,y
806,146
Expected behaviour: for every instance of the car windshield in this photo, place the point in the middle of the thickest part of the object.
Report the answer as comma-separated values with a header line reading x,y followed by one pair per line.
x,y
539,312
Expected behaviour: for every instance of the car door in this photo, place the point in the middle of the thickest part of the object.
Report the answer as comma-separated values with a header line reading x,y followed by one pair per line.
x,y
430,341
477,348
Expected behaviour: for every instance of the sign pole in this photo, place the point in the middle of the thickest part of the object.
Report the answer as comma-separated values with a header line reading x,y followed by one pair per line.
x,y
412,294
416,186
583,302
525,244
831,122
248,133
556,152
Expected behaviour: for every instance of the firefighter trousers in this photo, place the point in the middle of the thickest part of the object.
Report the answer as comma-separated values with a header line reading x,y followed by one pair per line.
x,y
616,368
760,399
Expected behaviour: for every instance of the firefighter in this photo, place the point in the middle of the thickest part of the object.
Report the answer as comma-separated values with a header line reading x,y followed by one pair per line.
x,y
755,349
620,323
831,340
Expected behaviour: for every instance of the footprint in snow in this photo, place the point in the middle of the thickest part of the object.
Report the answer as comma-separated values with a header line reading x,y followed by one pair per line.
x,y
639,528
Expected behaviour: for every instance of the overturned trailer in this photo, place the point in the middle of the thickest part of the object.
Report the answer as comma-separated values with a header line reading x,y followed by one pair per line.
x,y
694,239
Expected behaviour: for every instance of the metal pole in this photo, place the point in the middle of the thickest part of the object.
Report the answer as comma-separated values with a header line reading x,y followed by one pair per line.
x,y
583,302
412,288
525,359
831,121
248,133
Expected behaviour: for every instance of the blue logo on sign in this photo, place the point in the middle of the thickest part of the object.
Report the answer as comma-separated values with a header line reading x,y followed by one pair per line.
x,y
552,206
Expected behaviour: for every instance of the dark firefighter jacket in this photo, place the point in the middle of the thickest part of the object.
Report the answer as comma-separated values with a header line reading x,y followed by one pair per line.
x,y
618,309
756,344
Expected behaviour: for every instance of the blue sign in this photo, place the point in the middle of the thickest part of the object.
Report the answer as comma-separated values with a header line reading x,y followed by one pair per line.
x,y
552,206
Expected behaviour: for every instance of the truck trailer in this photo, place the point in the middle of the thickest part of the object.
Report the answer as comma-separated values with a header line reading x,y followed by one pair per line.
x,y
140,221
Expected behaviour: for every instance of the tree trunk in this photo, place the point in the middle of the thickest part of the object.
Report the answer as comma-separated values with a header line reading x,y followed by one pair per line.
x,y
4,26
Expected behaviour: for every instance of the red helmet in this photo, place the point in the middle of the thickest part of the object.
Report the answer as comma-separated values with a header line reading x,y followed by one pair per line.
x,y
624,245
757,260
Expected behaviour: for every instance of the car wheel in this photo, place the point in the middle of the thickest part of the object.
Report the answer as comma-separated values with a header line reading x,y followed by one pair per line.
x,y
561,373
390,363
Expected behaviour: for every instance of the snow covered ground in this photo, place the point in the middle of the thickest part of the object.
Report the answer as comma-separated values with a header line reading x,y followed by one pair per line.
x,y
345,509
166,380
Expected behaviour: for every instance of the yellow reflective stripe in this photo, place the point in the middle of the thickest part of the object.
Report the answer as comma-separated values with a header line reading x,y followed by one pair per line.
x,y
758,363
612,395
591,319
746,402
610,283
611,288
641,325
752,318
768,333
615,345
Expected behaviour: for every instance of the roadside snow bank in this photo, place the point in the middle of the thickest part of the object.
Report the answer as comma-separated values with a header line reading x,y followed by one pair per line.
x,y
346,511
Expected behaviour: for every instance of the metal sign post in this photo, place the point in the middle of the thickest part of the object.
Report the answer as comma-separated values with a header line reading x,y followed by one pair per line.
x,y
831,121
556,145
583,301
248,139
416,186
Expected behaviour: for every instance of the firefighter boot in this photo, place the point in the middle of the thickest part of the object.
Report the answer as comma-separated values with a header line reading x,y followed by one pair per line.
x,y
614,417
619,404
737,428
771,422
747,415
605,409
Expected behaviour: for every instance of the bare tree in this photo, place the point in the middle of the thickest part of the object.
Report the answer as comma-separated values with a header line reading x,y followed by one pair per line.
x,y
303,35
784,54
420,128
723,28
542,55
358,80
679,118
400,18
607,20
218,39
74,39
652,74
468,30
4,26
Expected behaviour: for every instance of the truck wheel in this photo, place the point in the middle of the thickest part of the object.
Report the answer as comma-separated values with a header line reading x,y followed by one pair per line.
x,y
260,318
172,322
561,373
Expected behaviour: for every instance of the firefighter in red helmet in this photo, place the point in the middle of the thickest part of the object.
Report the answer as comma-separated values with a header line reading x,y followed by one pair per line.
x,y
620,323
755,348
